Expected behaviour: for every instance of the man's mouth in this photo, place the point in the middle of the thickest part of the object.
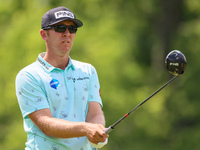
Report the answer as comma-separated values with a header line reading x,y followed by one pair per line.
x,y
65,42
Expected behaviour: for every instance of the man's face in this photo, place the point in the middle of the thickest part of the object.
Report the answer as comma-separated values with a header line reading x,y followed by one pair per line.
x,y
60,43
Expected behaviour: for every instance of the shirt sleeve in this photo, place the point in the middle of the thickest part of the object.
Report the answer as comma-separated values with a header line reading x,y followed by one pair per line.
x,y
94,87
29,94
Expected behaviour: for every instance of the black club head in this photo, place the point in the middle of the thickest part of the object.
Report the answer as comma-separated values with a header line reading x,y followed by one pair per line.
x,y
176,62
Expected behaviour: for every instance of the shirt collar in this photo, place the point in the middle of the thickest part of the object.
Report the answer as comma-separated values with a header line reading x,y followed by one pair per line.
x,y
70,64
48,67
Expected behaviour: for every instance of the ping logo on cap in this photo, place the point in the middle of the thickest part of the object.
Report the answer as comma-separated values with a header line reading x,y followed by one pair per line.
x,y
61,14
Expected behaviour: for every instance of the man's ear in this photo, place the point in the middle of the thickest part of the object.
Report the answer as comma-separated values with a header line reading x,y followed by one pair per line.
x,y
44,34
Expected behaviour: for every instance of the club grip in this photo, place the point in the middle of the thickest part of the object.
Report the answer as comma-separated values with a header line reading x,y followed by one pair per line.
x,y
108,130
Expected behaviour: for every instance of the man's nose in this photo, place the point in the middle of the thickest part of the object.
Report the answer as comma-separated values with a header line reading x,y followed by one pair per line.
x,y
66,33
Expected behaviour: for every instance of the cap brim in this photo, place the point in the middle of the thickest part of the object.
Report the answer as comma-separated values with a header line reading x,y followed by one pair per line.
x,y
77,22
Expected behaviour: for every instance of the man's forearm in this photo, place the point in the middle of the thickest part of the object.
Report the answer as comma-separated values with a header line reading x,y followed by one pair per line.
x,y
95,114
64,129
98,119
59,128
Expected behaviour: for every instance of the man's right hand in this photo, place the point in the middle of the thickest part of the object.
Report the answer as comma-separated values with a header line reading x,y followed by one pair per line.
x,y
95,133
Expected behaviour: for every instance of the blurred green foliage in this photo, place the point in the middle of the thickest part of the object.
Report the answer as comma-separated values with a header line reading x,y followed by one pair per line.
x,y
127,42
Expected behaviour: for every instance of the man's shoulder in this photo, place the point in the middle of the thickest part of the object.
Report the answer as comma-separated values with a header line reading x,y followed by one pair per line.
x,y
77,63
80,64
83,66
32,70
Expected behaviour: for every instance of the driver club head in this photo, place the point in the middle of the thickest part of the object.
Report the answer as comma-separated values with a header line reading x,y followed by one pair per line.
x,y
176,62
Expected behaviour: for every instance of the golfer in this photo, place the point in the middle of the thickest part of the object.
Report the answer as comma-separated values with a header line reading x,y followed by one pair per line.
x,y
60,97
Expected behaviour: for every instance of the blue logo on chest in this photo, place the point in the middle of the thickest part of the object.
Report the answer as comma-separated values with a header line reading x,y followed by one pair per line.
x,y
54,83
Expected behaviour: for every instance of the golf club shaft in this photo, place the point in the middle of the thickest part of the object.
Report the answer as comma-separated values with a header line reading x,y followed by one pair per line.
x,y
110,128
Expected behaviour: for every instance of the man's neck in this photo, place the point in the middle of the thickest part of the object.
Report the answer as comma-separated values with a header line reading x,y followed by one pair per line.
x,y
57,61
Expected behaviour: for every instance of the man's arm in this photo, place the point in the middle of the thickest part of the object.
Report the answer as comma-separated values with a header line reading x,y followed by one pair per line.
x,y
95,114
59,128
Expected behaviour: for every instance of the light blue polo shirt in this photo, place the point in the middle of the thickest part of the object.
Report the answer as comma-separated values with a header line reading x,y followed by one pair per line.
x,y
65,92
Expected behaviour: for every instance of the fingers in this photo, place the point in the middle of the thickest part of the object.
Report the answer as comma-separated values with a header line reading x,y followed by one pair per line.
x,y
96,133
100,137
97,137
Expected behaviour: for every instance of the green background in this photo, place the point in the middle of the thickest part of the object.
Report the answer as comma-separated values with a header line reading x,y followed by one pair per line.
x,y
126,41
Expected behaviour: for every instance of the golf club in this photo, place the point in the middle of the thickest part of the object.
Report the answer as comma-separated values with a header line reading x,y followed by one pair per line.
x,y
175,62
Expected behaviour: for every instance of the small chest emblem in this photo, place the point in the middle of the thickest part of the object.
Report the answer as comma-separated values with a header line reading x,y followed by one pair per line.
x,y
54,83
